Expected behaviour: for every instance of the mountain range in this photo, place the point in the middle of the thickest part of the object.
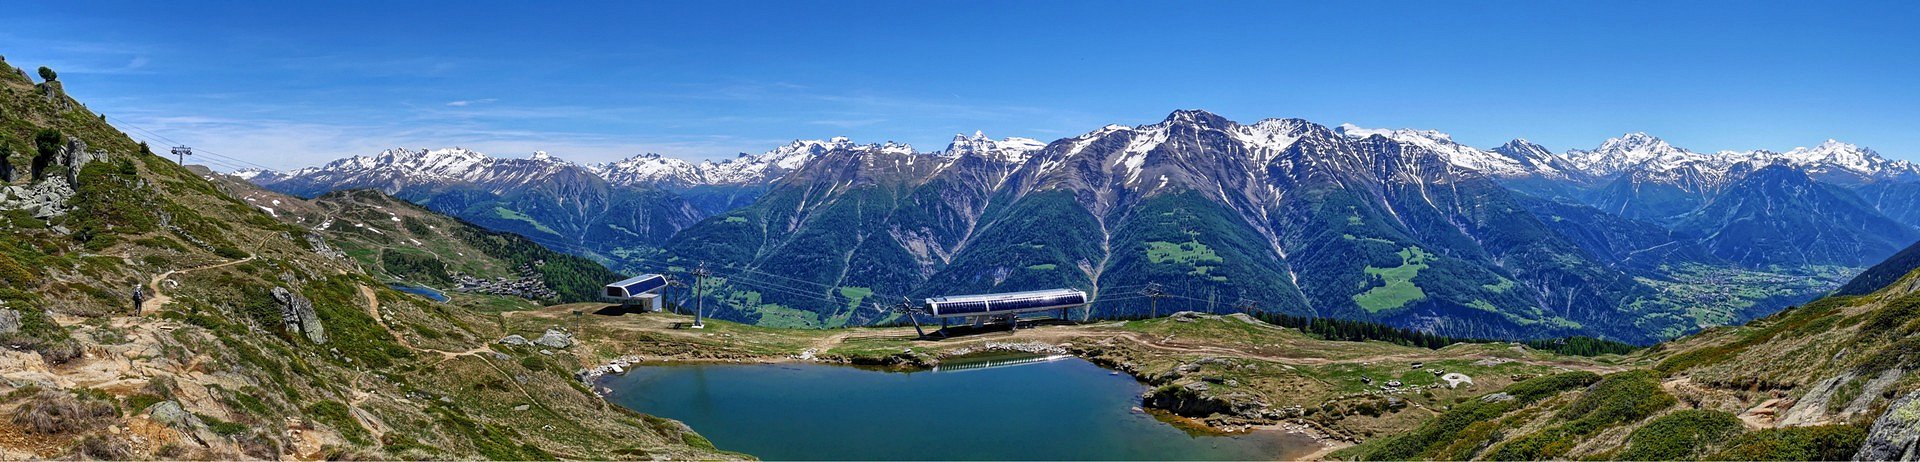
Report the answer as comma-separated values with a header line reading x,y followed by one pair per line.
x,y
1635,239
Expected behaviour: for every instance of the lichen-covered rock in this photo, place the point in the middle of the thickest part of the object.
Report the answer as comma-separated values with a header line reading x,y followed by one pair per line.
x,y
298,314
9,321
170,413
555,338
1896,434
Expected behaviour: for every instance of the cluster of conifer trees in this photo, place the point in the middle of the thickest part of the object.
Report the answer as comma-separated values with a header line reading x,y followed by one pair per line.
x,y
1360,331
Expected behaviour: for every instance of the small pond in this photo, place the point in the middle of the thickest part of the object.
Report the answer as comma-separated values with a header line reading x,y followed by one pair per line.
x,y
420,290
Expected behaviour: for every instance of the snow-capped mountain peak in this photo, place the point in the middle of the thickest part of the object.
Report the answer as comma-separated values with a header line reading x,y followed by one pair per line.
x,y
768,166
1520,148
1838,153
650,168
1268,137
1646,157
1013,149
1635,151
1461,155
443,163
1834,157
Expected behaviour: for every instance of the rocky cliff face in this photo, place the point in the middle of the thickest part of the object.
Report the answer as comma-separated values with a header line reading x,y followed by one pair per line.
x,y
1896,434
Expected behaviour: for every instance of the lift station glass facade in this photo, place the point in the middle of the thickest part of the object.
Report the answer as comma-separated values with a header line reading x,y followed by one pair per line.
x,y
1007,303
635,286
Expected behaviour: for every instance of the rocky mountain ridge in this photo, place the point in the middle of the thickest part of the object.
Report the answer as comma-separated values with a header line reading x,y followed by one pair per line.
x,y
1283,200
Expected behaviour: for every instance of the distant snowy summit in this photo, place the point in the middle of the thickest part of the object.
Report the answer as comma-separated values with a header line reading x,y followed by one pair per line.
x,y
1637,155
465,165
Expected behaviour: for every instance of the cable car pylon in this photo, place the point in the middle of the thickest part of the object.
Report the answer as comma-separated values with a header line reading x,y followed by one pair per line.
x,y
1154,293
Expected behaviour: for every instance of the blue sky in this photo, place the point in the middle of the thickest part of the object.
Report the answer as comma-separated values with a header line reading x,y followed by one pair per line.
x,y
288,85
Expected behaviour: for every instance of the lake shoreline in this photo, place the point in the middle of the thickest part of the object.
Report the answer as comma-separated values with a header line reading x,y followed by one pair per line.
x,y
642,385
595,379
1225,372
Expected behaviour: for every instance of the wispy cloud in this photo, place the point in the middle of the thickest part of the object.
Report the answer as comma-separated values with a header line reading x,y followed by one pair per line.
x,y
470,102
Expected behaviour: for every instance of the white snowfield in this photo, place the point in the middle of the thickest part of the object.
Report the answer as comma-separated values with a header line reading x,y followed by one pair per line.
x,y
1638,154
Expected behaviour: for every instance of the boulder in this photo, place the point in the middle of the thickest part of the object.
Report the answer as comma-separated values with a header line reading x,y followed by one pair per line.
x,y
9,321
555,338
514,340
170,413
298,315
1811,408
1896,434
44,199
76,156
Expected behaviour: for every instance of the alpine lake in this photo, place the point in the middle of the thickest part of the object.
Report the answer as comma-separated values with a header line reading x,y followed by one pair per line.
x,y
994,408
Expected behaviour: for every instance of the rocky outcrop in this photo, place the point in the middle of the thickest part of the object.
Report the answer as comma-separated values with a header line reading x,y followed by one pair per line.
x,y
1896,434
1190,400
74,156
170,413
514,340
48,197
43,199
298,314
1811,408
555,338
9,321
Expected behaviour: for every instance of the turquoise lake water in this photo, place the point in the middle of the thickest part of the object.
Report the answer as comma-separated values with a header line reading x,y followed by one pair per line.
x,y
1066,409
428,292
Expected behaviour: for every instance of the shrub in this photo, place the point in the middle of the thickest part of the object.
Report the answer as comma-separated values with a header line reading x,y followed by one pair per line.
x,y
335,415
16,275
1440,432
102,447
53,412
1680,435
229,252
258,445
46,145
47,74
1826,442
222,427
1619,398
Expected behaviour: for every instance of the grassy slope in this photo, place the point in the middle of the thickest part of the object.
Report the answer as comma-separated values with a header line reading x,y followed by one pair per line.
x,y
403,242
1801,384
380,387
